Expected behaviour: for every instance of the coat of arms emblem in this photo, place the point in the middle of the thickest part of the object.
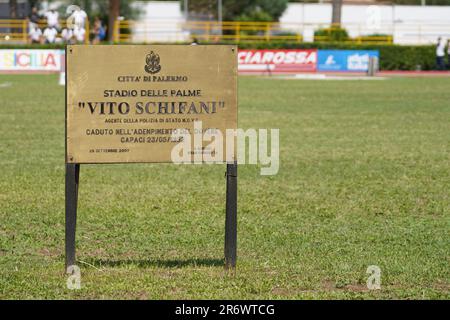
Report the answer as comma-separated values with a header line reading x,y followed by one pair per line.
x,y
152,60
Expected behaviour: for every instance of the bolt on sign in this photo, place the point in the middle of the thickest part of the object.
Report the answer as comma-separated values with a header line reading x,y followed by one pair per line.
x,y
127,103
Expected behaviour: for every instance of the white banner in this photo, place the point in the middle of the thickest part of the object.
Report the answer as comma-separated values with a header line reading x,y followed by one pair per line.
x,y
30,60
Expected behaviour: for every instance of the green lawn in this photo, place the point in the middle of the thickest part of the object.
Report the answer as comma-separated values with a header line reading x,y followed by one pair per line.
x,y
364,180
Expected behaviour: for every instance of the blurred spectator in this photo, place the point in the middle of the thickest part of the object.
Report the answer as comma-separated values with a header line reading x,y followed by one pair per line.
x,y
67,35
98,31
34,16
35,34
33,22
440,54
448,54
52,18
79,18
79,34
50,34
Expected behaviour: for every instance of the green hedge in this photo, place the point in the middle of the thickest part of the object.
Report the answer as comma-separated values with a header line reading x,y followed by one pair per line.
x,y
32,46
392,57
332,34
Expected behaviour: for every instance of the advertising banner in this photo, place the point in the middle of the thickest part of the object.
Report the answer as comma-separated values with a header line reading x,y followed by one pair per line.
x,y
30,60
277,61
345,60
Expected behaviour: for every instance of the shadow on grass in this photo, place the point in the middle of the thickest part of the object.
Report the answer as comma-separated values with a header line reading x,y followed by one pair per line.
x,y
141,263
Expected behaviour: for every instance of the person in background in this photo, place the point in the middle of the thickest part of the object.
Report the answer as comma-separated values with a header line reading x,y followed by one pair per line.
x,y
34,16
79,34
33,26
98,31
448,54
440,54
67,35
52,18
35,34
102,33
50,34
79,18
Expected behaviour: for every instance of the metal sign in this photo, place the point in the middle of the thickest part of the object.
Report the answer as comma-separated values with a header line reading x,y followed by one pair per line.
x,y
125,103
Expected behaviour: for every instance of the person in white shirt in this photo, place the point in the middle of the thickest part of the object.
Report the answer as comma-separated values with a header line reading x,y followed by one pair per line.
x,y
52,18
35,34
79,18
79,34
440,54
50,35
67,35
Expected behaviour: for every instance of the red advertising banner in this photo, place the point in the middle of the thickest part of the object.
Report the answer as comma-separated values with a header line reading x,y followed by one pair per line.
x,y
277,61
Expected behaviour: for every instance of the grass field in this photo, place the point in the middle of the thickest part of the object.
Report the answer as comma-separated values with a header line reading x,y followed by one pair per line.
x,y
364,180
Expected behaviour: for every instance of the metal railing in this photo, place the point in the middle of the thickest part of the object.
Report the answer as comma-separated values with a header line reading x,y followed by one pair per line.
x,y
13,30
16,31
235,31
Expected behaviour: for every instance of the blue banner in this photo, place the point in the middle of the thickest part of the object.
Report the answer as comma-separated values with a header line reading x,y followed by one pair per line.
x,y
344,60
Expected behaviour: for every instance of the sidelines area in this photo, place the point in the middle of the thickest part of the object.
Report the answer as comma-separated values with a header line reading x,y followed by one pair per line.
x,y
344,63
273,61
322,76
381,75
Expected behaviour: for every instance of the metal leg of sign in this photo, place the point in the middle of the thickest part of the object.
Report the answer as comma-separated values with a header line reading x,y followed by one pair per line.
x,y
231,217
72,179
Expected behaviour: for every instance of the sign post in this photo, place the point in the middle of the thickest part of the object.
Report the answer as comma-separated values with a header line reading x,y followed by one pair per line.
x,y
231,217
151,104
72,179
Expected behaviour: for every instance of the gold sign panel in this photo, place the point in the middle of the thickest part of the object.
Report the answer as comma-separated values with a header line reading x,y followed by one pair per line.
x,y
130,103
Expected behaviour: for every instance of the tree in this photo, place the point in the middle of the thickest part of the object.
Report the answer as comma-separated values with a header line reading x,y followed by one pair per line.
x,y
114,7
336,13
236,9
